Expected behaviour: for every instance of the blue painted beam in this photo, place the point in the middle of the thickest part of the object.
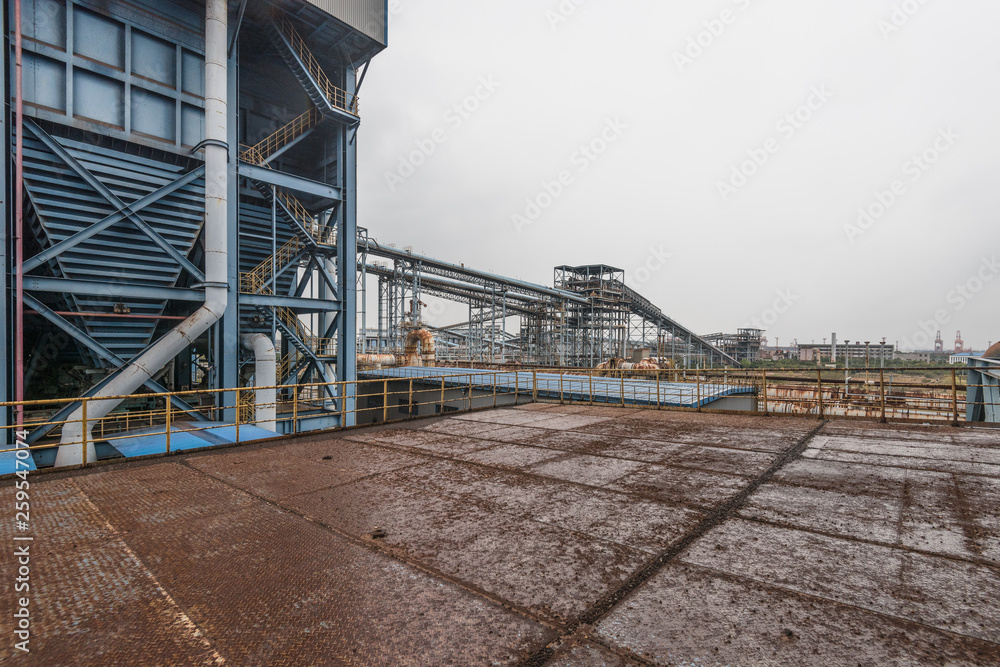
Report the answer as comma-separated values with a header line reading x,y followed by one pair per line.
x,y
289,181
295,303
105,288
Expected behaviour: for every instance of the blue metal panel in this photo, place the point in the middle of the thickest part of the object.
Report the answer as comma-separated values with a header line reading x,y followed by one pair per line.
x,y
99,38
154,58
99,98
44,21
63,203
154,115
44,82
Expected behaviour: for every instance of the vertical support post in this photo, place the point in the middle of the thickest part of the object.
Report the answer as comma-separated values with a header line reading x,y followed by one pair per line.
x,y
622,387
954,397
494,389
470,392
698,385
347,259
295,409
560,388
385,401
534,386
764,374
657,388
819,391
442,394
168,416
590,377
517,386
238,416
86,430
409,401
881,393
343,403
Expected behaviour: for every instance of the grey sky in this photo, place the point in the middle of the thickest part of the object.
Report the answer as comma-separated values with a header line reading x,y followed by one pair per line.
x,y
878,99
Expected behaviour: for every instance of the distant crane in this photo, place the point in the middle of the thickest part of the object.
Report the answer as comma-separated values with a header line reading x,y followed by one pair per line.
x,y
939,343
959,343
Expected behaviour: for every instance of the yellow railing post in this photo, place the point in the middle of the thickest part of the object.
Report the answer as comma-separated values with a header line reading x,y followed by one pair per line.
x,y
470,392
409,401
295,409
657,388
560,387
764,389
697,380
343,404
623,387
168,414
385,401
442,394
83,417
239,408
534,386
494,389
590,378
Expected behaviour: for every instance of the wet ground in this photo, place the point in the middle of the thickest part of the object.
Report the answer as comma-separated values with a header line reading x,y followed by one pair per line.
x,y
538,535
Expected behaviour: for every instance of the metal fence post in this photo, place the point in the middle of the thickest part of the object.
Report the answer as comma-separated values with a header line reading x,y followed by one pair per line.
x,y
409,399
819,392
954,397
590,376
560,388
238,408
494,389
697,380
881,393
516,387
343,404
83,416
534,386
385,401
295,409
623,387
470,392
764,375
168,424
442,394
657,388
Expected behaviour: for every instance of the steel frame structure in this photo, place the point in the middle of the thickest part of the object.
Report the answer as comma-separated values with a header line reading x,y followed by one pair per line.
x,y
113,193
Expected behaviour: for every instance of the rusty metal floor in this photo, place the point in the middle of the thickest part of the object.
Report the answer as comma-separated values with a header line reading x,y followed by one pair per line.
x,y
537,535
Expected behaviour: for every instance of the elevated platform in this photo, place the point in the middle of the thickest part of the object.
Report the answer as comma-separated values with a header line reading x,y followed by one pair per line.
x,y
607,390
537,535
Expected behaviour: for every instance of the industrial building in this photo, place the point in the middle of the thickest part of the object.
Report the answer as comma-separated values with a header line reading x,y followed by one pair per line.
x,y
184,197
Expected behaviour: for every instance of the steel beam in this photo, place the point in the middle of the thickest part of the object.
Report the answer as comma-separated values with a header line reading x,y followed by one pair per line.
x,y
288,181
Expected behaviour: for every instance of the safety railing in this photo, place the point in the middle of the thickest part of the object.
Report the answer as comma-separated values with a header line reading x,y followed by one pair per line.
x,y
151,424
259,153
257,280
337,97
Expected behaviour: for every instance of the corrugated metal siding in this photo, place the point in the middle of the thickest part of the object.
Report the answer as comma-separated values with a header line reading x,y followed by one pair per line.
x,y
365,16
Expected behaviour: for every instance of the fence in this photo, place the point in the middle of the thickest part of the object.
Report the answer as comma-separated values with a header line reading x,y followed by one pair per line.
x,y
911,394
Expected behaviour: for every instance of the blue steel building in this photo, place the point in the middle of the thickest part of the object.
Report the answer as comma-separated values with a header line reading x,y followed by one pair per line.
x,y
187,173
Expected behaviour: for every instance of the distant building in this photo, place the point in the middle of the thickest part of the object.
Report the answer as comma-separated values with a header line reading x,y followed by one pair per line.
x,y
963,357
856,351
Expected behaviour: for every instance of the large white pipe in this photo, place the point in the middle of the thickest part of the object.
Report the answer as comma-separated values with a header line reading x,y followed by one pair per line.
x,y
216,274
265,375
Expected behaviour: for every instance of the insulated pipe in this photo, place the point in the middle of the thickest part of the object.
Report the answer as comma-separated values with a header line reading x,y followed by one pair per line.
x,y
265,375
425,340
216,284
380,360
18,220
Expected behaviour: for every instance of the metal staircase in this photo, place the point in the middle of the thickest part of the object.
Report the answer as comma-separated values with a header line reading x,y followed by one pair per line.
x,y
329,99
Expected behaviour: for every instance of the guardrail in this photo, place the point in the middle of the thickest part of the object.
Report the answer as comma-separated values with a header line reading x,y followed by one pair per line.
x,y
912,394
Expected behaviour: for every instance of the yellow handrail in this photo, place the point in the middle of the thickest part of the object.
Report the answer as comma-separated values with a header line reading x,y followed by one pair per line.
x,y
260,152
337,97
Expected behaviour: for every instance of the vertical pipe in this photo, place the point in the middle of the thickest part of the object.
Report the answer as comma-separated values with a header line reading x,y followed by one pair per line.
x,y
19,221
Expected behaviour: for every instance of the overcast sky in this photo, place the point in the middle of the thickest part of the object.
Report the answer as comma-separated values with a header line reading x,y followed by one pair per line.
x,y
729,147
